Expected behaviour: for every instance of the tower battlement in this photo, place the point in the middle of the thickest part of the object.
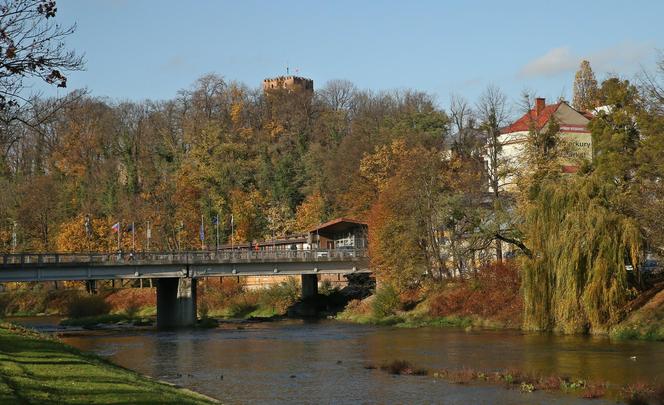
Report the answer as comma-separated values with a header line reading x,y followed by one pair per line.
x,y
290,83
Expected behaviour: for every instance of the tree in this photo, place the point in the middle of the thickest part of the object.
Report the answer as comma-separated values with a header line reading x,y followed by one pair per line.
x,y
493,114
649,173
463,122
338,94
310,213
586,92
580,232
576,279
31,46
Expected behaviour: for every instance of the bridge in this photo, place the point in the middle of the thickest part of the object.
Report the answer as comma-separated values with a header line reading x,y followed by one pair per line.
x,y
176,273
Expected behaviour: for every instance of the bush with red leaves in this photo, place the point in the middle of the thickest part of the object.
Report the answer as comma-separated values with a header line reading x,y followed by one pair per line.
x,y
493,293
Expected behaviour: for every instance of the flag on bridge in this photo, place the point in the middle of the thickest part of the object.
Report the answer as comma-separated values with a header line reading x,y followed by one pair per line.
x,y
116,227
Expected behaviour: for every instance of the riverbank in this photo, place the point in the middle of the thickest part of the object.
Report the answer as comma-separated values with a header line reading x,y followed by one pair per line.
x,y
644,323
36,368
298,361
488,300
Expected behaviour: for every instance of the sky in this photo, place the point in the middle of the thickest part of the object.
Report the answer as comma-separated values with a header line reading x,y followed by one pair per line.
x,y
149,49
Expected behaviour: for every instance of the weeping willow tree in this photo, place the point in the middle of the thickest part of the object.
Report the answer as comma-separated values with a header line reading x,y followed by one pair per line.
x,y
576,278
575,275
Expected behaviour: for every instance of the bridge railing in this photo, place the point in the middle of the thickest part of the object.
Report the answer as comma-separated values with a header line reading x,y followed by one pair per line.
x,y
193,257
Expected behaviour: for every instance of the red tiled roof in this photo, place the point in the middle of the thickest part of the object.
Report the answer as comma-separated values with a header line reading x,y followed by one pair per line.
x,y
523,123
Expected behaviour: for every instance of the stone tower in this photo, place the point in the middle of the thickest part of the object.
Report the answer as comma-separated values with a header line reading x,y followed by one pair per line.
x,y
289,83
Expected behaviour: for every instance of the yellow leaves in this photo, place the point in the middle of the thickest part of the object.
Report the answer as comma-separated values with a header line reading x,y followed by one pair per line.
x,y
73,237
310,213
5,240
247,209
379,166
236,113
280,221
275,129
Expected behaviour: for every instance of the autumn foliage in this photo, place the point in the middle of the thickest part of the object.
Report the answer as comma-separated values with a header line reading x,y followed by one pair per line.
x,y
493,293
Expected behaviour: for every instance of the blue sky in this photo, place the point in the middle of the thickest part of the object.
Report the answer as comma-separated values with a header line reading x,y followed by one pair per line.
x,y
140,49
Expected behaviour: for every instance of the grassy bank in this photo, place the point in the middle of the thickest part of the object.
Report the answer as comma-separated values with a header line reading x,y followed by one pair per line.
x,y
645,323
36,369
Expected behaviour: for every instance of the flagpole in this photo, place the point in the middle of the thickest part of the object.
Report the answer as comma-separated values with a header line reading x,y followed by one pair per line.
x,y
133,236
147,234
202,234
232,232
216,232
180,236
119,230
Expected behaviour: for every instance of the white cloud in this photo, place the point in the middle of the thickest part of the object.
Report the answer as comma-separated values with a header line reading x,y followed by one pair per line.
x,y
622,56
555,61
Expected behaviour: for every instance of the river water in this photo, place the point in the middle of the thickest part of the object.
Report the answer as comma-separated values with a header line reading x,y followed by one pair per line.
x,y
323,362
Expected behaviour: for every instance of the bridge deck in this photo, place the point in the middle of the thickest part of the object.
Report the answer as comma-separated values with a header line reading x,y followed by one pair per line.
x,y
91,266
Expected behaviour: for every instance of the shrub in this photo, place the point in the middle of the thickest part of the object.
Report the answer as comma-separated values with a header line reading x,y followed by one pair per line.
x,y
402,367
397,367
280,296
35,301
326,288
497,283
550,383
90,305
203,309
386,301
218,294
594,390
131,300
640,394
240,308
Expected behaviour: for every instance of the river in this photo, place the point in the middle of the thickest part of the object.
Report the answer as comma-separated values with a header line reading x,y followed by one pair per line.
x,y
291,362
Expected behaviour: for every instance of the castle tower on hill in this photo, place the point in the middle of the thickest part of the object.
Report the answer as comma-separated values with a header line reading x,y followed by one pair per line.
x,y
289,83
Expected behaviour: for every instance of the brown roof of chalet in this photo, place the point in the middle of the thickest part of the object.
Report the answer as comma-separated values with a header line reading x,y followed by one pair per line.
x,y
337,221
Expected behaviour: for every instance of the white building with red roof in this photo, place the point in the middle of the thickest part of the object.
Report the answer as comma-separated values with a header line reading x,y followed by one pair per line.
x,y
573,129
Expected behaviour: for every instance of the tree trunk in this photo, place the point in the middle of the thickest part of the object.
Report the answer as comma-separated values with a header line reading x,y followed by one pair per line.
x,y
499,251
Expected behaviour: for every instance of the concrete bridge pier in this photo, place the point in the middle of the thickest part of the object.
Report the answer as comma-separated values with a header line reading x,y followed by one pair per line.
x,y
309,285
176,302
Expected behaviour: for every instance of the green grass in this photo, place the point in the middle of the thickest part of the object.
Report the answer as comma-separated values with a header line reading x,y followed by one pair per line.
x,y
35,369
646,323
653,332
